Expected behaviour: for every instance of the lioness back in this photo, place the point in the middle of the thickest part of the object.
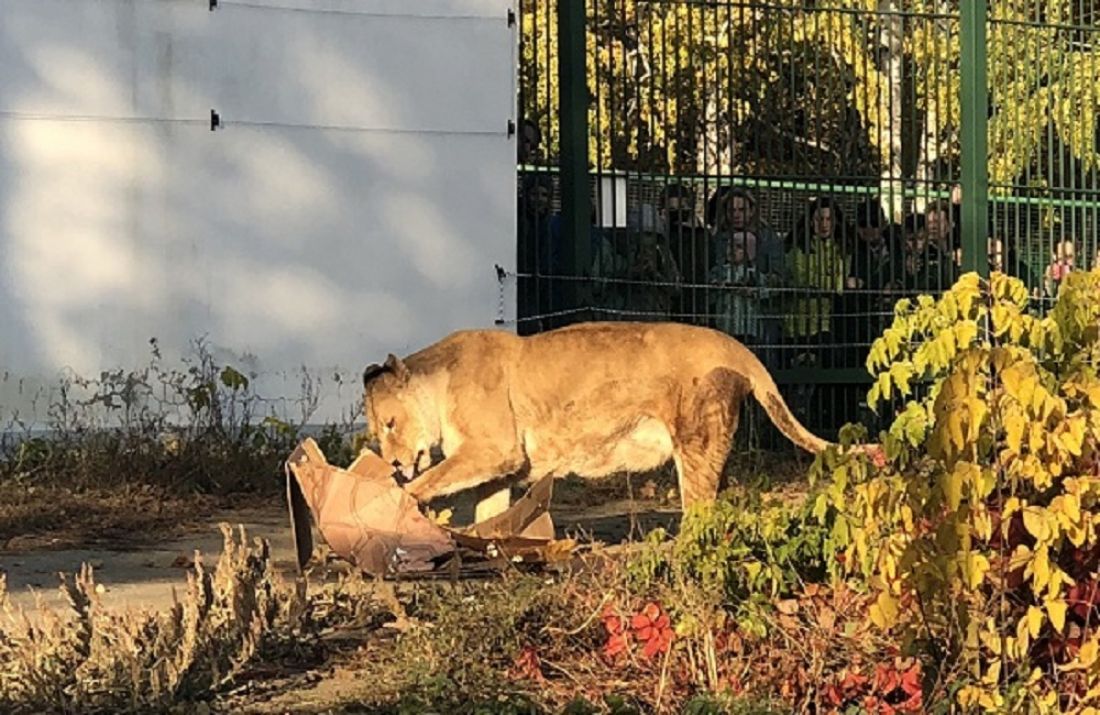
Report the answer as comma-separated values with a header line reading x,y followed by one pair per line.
x,y
599,398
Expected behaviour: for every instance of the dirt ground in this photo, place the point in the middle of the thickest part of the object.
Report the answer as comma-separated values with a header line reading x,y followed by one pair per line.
x,y
141,569
141,544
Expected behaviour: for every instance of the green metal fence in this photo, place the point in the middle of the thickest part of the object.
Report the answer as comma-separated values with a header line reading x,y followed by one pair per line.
x,y
785,171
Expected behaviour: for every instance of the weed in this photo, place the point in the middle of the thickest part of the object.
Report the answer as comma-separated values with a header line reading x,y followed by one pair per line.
x,y
95,660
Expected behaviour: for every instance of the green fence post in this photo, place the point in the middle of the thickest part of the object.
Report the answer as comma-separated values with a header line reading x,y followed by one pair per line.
x,y
975,121
573,145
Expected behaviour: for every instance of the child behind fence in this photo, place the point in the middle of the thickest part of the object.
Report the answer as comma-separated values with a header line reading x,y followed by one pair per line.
x,y
738,289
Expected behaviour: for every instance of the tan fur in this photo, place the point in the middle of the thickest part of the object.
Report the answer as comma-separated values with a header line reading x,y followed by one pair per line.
x,y
591,399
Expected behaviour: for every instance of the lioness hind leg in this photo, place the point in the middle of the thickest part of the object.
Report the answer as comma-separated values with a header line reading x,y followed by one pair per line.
x,y
700,473
705,432
491,501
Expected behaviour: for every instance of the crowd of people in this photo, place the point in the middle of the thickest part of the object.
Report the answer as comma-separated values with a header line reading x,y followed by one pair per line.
x,y
815,295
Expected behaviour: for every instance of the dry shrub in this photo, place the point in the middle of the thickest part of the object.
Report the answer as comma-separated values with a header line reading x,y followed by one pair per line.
x,y
195,426
89,659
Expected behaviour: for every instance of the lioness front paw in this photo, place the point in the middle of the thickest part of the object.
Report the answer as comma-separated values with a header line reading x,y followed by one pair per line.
x,y
420,490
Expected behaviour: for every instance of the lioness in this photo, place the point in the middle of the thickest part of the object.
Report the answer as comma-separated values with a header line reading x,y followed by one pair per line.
x,y
591,399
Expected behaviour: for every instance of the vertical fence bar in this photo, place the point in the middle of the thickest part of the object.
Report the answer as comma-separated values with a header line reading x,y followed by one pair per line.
x,y
573,155
975,120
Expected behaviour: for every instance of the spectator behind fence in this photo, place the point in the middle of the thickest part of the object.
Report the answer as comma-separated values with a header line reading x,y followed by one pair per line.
x,y
1062,263
871,258
714,211
1010,263
820,265
651,267
891,284
690,246
608,292
740,213
919,267
939,226
530,143
735,303
555,289
864,320
534,255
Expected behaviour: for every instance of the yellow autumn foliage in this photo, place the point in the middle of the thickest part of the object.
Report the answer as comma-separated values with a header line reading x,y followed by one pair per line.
x,y
671,82
982,532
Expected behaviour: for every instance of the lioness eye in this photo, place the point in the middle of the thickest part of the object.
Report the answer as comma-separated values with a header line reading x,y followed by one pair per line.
x,y
391,423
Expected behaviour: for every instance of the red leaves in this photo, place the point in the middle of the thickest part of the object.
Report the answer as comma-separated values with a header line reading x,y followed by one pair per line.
x,y
527,665
618,640
650,626
878,456
653,627
891,690
847,689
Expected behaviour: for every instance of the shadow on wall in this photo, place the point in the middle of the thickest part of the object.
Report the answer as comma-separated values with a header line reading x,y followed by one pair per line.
x,y
354,203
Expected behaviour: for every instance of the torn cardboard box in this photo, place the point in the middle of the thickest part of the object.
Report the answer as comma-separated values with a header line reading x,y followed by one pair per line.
x,y
366,518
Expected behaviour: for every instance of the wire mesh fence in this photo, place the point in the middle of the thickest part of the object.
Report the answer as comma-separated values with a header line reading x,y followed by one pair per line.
x,y
785,171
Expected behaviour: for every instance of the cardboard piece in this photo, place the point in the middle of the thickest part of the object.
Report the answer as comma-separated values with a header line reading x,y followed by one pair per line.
x,y
367,518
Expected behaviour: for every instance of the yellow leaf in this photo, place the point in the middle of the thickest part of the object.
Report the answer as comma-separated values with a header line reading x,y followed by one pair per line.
x,y
975,566
952,485
1001,320
977,410
884,611
1038,400
965,332
873,395
1025,389
1074,435
1015,425
902,373
1022,641
1034,619
1037,438
443,518
983,524
1058,577
955,429
1056,608
1036,524
1040,569
993,673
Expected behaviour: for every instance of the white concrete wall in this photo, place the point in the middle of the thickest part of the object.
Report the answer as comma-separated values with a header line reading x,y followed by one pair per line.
x,y
354,202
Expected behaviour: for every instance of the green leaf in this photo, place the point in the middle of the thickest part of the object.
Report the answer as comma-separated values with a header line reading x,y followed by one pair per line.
x,y
233,379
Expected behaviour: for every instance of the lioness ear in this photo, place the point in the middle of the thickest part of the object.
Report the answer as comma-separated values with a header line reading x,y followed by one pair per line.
x,y
397,366
371,372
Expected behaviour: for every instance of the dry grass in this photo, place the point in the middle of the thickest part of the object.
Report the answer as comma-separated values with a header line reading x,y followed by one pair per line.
x,y
91,660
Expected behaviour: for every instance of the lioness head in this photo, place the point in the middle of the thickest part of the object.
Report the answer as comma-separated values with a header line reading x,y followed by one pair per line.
x,y
397,418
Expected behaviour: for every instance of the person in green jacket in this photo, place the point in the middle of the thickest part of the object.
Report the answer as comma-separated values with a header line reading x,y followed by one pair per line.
x,y
820,267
